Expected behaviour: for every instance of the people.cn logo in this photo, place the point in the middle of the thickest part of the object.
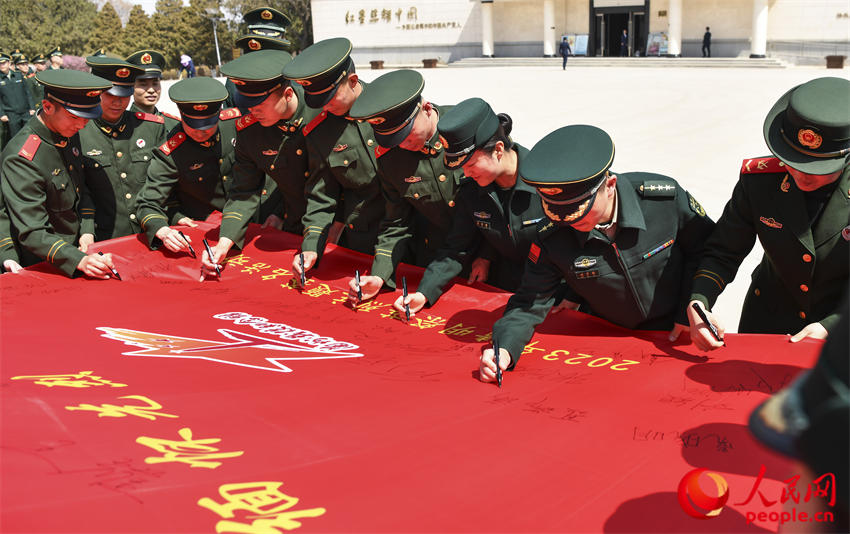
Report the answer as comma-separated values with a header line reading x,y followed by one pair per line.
x,y
696,501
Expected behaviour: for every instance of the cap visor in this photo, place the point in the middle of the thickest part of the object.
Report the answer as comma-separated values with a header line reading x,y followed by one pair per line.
x,y
453,162
85,113
120,91
571,213
765,421
319,101
243,101
394,139
150,74
201,124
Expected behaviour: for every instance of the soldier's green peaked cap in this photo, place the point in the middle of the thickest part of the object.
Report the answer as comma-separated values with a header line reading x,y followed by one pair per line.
x,y
121,73
21,59
199,100
266,22
55,52
5,57
465,128
76,91
390,104
39,58
809,127
568,167
320,69
254,43
257,75
150,60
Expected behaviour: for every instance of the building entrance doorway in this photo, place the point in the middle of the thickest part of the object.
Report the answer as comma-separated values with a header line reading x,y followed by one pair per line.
x,y
608,23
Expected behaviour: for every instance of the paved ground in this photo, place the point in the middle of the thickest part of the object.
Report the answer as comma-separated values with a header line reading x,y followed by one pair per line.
x,y
694,124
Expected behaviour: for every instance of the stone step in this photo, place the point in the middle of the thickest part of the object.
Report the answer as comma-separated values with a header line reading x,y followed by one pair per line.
x,y
653,62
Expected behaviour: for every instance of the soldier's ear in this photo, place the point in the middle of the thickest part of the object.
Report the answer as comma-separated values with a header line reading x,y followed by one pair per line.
x,y
353,79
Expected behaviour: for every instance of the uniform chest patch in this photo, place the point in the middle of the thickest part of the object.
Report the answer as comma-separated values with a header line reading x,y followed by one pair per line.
x,y
94,152
771,222
534,253
339,148
658,249
484,225
845,233
140,143
196,166
584,263
411,179
482,215
581,275
269,152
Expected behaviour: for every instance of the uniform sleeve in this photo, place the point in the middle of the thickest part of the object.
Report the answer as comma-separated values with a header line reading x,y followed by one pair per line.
x,y
87,210
243,197
528,306
695,227
463,237
730,242
25,192
155,195
8,247
322,192
394,234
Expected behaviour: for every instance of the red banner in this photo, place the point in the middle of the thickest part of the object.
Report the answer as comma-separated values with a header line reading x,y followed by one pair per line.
x,y
161,404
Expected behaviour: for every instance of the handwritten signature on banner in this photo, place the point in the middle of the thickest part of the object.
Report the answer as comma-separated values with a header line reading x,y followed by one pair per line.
x,y
317,290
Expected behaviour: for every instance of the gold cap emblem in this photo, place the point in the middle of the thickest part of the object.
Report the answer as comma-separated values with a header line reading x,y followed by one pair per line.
x,y
808,138
266,14
93,93
253,44
146,59
200,107
376,120
550,190
122,72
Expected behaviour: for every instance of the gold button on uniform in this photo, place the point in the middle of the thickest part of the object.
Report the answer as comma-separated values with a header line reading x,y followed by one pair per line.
x,y
370,142
307,173
271,167
757,292
299,151
123,175
145,158
220,161
224,178
201,179
128,196
352,227
133,216
802,315
416,195
442,178
345,162
807,258
96,165
804,288
119,154
265,192
451,203
70,167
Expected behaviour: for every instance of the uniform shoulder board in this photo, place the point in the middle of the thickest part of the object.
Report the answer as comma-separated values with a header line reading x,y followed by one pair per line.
x,y
545,227
380,151
762,165
657,189
315,122
245,121
170,116
229,113
175,141
149,117
30,147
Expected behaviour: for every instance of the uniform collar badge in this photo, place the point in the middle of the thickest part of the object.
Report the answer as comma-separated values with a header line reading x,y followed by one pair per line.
x,y
340,148
482,215
584,263
413,179
196,166
785,186
771,222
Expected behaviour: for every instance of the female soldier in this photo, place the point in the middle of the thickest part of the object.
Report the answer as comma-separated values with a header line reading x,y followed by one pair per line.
x,y
499,215
419,188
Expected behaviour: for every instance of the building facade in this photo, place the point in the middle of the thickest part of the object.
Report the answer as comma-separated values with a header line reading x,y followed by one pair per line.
x,y
407,31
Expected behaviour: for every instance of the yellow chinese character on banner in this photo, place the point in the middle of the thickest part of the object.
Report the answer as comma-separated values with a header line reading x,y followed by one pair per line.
x,y
255,268
269,507
531,347
276,273
430,321
392,314
458,330
82,379
293,283
111,410
371,305
484,337
319,290
194,452
241,259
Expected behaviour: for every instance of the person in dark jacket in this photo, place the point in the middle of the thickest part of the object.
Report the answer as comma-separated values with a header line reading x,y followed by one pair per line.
x,y
564,50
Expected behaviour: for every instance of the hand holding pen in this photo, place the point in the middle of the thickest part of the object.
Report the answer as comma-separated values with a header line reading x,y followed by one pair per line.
x,y
404,296
496,358
210,254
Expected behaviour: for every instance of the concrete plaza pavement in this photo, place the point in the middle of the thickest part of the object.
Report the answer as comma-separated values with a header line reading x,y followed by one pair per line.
x,y
694,124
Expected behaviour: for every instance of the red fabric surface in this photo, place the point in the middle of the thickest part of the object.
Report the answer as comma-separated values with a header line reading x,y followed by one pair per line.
x,y
391,433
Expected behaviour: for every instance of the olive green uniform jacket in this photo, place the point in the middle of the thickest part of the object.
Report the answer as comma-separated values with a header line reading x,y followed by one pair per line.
x,y
117,157
15,101
279,152
419,192
8,245
36,90
500,233
342,183
187,179
641,280
44,189
802,277
170,120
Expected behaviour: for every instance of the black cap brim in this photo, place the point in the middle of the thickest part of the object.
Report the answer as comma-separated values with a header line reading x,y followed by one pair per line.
x,y
84,113
319,101
394,139
779,147
121,91
570,213
243,101
200,124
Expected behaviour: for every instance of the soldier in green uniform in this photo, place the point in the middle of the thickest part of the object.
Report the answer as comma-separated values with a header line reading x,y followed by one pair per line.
x,y
16,105
5,67
9,257
798,205
147,88
36,90
266,31
418,188
56,59
43,184
191,171
118,147
269,142
22,64
497,212
342,177
627,245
